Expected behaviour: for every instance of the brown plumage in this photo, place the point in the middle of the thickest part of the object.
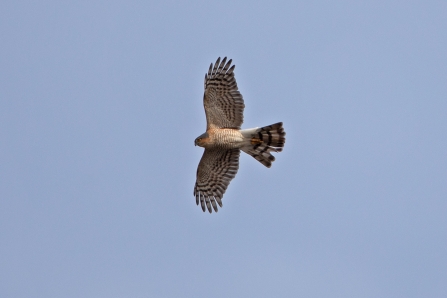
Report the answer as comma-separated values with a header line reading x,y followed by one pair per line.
x,y
223,139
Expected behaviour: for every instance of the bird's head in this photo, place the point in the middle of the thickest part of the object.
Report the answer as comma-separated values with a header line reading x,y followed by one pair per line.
x,y
200,140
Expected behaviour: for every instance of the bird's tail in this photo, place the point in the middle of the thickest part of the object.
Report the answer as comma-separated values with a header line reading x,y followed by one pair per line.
x,y
262,141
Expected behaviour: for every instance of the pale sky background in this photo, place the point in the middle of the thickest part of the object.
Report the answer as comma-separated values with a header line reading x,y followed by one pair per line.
x,y
100,103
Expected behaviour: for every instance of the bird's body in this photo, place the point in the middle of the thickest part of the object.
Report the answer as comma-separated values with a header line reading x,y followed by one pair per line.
x,y
223,139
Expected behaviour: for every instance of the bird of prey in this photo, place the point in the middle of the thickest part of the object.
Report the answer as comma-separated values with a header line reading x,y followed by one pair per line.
x,y
224,138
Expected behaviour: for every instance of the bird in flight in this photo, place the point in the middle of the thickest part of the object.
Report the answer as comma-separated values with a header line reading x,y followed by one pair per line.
x,y
224,138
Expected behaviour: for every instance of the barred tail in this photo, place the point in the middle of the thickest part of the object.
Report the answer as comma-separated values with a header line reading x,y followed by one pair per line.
x,y
262,141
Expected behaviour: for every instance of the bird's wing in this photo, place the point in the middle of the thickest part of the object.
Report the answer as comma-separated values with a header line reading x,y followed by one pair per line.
x,y
215,171
224,105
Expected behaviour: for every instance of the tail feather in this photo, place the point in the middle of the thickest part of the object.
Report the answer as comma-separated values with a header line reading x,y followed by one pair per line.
x,y
262,141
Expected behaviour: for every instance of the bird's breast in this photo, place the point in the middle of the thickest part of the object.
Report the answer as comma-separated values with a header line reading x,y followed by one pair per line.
x,y
226,138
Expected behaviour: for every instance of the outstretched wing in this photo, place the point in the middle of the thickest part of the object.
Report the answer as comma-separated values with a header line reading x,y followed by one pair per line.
x,y
216,169
224,106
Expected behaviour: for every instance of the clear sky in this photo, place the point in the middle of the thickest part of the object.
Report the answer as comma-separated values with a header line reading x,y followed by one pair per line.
x,y
100,103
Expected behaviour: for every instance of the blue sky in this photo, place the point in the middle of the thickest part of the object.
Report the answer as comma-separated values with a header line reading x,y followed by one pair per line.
x,y
100,103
